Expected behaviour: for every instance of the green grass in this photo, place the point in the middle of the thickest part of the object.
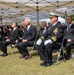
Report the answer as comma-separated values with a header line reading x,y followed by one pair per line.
x,y
12,65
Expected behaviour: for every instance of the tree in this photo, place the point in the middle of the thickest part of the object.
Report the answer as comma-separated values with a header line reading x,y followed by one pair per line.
x,y
72,17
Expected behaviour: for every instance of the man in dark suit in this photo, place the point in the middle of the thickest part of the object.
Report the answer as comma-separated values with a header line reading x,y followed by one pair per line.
x,y
1,34
68,36
27,39
49,41
43,28
9,40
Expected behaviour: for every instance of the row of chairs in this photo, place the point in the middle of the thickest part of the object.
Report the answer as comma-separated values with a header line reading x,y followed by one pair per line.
x,y
30,49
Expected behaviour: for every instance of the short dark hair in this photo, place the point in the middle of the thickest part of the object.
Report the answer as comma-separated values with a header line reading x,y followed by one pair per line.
x,y
44,22
15,23
69,17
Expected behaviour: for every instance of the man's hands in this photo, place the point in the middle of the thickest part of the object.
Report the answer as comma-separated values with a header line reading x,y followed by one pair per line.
x,y
39,41
6,37
24,40
69,40
8,40
48,42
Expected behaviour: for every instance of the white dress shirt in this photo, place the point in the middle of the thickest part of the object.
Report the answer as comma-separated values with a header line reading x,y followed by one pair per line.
x,y
14,29
28,27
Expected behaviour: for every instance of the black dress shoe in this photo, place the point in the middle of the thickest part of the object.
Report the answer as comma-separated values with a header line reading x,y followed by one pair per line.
x,y
4,54
43,63
27,57
48,64
22,56
61,58
67,58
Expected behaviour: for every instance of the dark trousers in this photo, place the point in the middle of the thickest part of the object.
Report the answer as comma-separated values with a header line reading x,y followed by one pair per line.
x,y
45,52
4,45
22,47
68,46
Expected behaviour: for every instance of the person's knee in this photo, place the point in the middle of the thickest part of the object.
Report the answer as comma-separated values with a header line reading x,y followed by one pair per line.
x,y
37,47
47,46
4,43
68,45
17,45
22,44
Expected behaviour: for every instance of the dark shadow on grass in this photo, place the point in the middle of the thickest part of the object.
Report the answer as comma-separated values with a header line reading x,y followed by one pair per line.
x,y
0,54
15,52
34,54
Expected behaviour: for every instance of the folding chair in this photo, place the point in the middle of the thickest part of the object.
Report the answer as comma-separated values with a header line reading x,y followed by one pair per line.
x,y
72,52
31,48
59,52
12,46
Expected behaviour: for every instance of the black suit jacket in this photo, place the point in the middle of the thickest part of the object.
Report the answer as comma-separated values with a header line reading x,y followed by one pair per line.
x,y
70,33
55,33
14,35
30,34
41,32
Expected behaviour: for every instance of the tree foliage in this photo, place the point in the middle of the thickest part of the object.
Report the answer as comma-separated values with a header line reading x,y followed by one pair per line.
x,y
72,17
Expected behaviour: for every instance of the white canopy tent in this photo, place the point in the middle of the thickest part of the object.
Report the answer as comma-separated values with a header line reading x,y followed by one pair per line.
x,y
17,10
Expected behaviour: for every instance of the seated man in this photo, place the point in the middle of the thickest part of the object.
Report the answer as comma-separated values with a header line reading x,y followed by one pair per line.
x,y
1,34
9,40
43,29
68,36
49,41
27,39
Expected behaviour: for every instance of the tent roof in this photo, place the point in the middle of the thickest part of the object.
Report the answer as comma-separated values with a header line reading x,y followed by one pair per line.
x,y
17,10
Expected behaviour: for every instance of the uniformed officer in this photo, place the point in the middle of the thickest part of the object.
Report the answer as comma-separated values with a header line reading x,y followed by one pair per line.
x,y
49,41
43,28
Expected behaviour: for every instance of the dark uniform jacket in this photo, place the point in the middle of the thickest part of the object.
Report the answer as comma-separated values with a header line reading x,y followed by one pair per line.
x,y
30,34
41,32
55,33
69,34
1,36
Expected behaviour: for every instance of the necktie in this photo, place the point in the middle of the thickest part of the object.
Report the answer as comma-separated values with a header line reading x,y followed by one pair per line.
x,y
13,30
44,31
68,27
27,28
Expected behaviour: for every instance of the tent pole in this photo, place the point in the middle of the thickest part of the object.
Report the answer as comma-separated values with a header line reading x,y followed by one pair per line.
x,y
38,26
65,15
1,19
37,18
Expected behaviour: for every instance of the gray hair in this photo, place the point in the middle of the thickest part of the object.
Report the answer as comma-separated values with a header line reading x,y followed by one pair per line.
x,y
44,22
28,19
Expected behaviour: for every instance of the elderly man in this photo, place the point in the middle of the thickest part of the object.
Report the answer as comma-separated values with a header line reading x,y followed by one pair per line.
x,y
68,36
27,39
9,40
49,41
43,28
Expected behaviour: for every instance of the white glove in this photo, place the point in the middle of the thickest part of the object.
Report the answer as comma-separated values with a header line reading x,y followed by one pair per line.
x,y
48,41
39,41
8,40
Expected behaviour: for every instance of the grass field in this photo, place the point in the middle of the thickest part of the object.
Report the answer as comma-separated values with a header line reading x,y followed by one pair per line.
x,y
12,65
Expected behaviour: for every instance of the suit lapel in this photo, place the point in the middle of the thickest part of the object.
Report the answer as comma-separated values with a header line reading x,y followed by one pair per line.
x,y
29,28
